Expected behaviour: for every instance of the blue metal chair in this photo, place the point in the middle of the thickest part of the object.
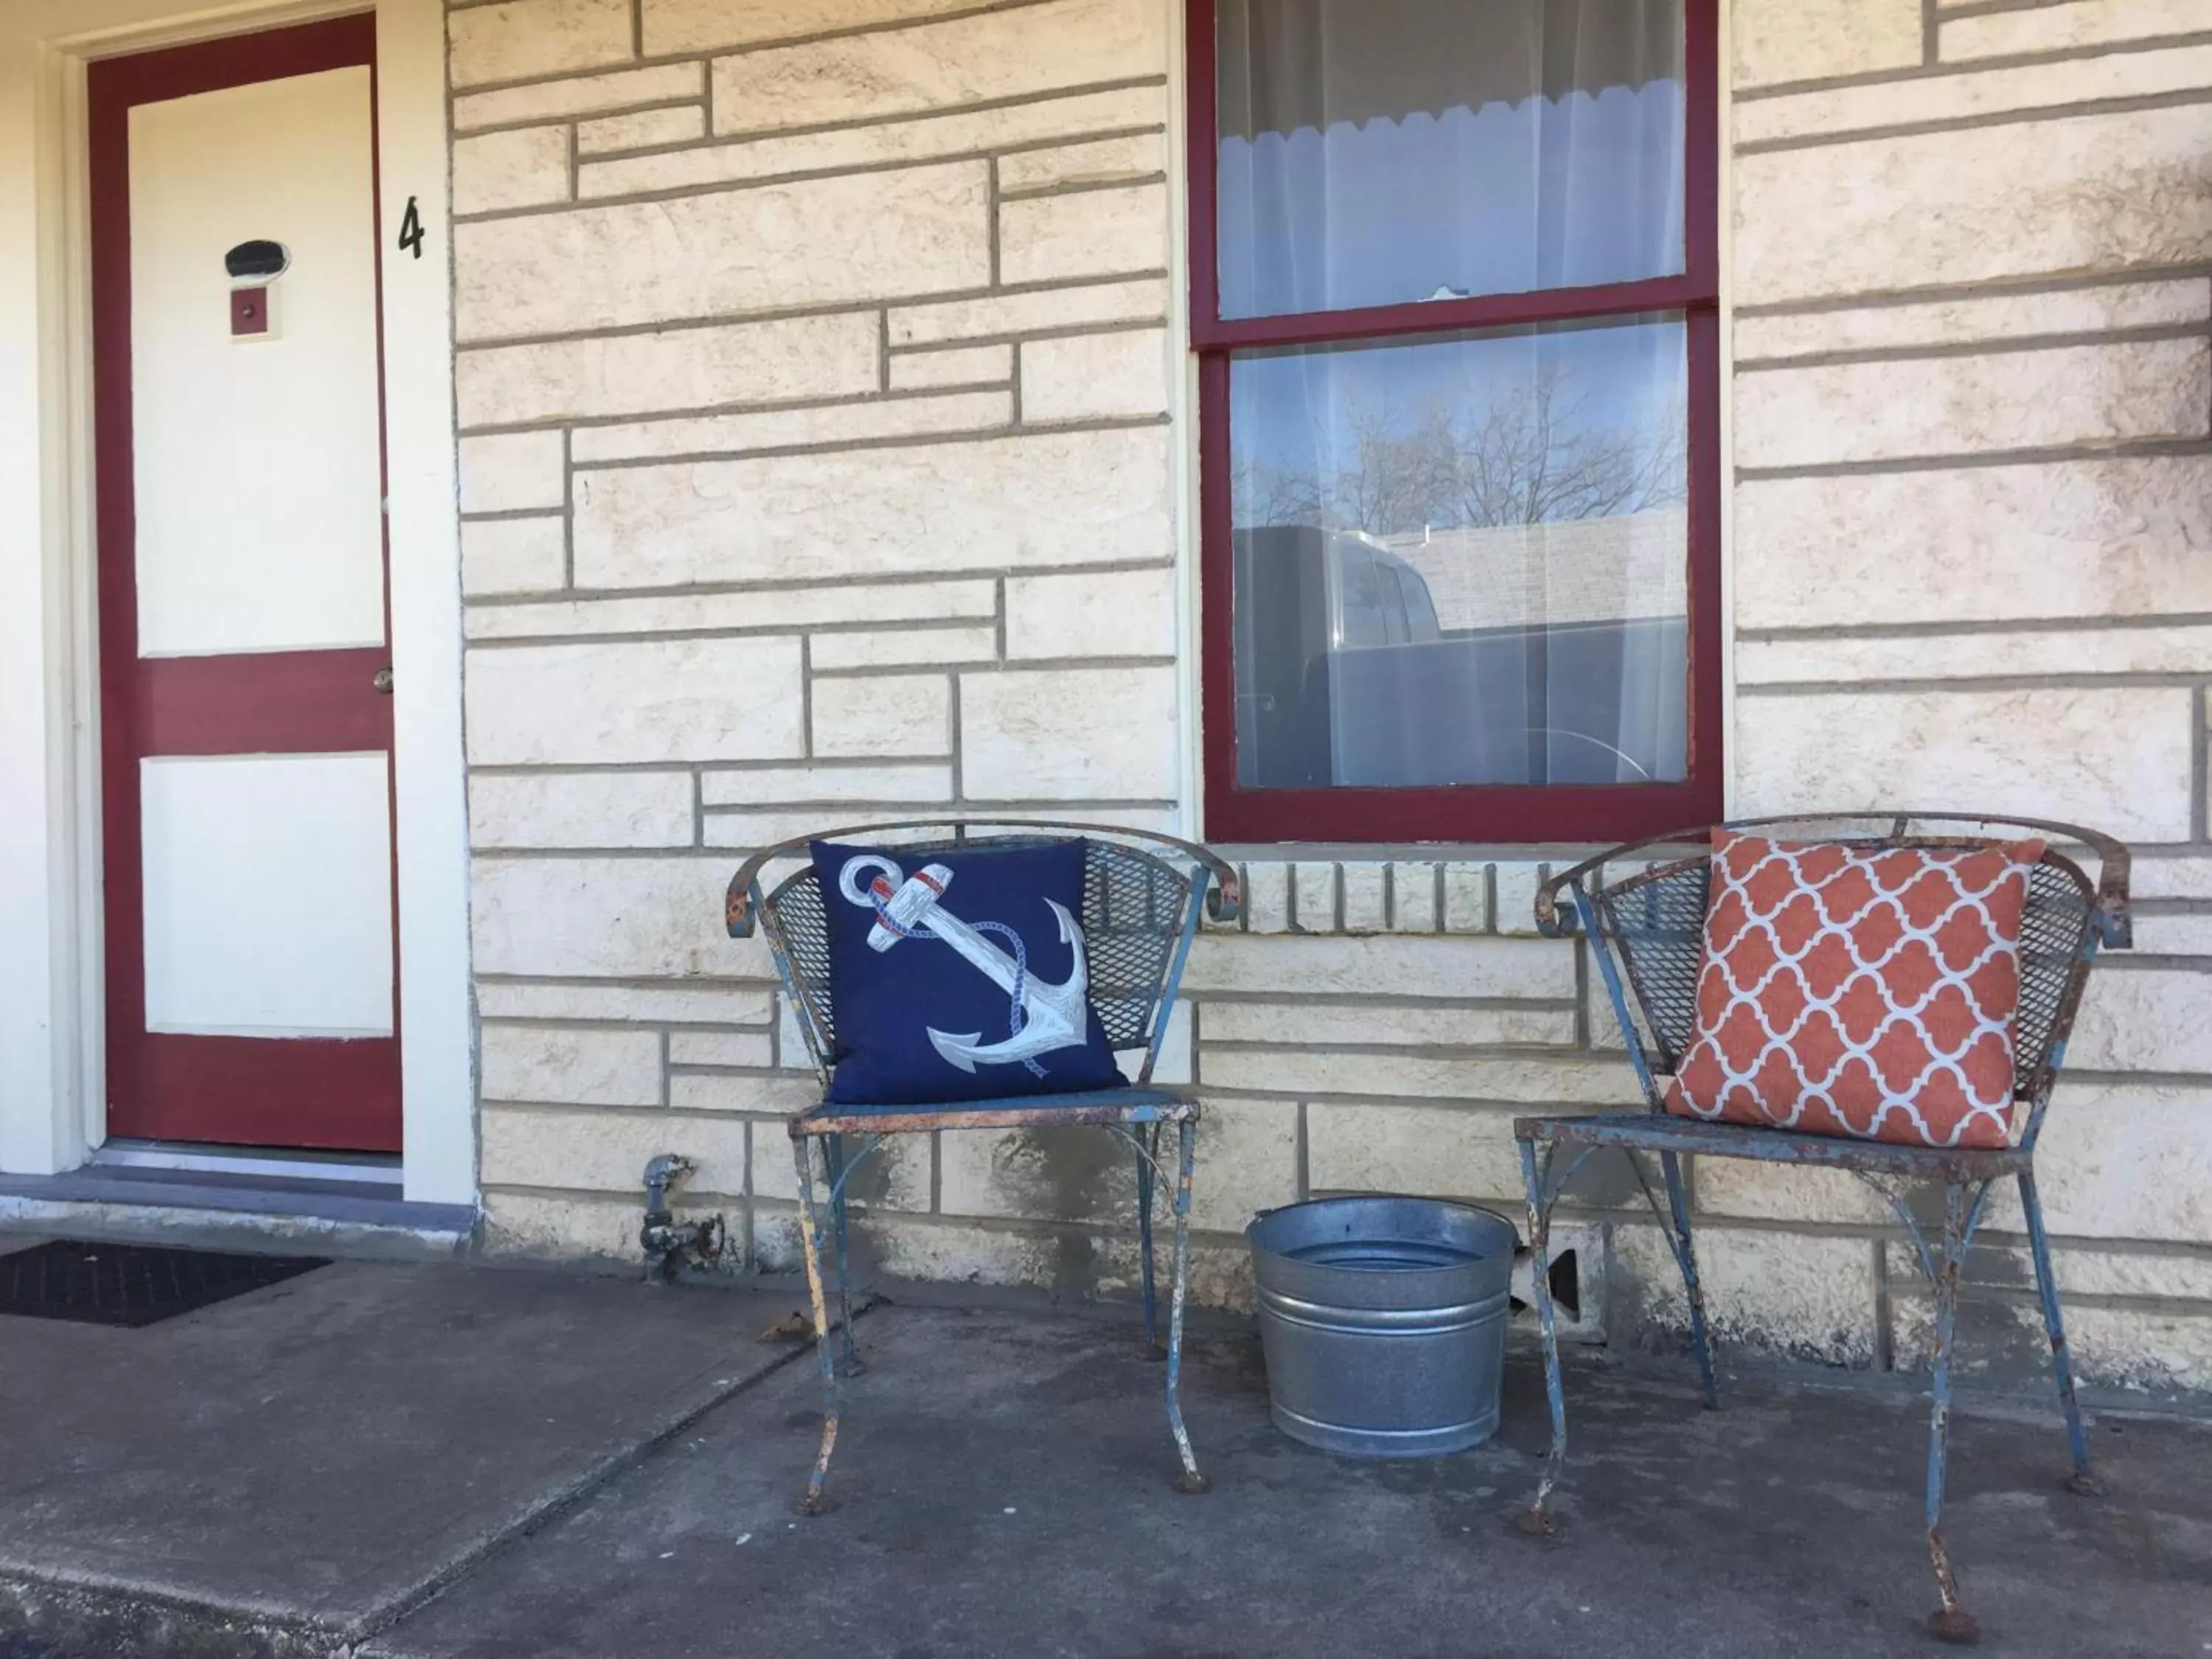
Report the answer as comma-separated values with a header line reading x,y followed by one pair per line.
x,y
1144,895
1646,920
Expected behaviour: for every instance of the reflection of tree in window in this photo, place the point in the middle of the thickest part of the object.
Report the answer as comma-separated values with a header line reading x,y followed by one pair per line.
x,y
1521,492
1536,452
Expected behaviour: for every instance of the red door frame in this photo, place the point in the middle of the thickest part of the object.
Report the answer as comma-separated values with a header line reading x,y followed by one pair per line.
x,y
1485,812
304,1091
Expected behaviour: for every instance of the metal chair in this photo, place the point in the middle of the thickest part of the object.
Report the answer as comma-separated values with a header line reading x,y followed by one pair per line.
x,y
1143,897
1646,923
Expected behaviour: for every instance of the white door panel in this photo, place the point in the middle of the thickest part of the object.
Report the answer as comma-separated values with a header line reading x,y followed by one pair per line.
x,y
268,896
257,462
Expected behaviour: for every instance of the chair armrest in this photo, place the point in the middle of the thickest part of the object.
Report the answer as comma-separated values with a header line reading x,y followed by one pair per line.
x,y
1556,921
1225,899
2115,926
738,904
1552,922
2114,920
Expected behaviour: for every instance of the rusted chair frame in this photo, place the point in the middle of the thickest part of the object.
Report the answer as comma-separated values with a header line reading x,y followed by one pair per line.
x,y
1137,1114
1968,1176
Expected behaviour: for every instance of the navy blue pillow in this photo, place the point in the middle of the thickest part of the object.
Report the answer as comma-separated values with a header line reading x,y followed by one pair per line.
x,y
953,977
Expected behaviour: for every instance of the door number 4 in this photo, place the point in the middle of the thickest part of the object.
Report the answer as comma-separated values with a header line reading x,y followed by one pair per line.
x,y
411,229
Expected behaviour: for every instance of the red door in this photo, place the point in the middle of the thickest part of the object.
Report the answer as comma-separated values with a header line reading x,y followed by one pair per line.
x,y
246,709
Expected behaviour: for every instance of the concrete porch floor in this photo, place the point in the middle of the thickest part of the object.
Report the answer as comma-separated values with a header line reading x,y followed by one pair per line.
x,y
445,1463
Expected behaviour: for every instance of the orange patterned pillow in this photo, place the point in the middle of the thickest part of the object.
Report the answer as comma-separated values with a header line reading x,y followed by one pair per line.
x,y
1859,990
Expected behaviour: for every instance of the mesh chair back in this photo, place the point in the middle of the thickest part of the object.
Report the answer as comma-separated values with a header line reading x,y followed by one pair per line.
x,y
1657,923
1136,909
1654,919
2062,913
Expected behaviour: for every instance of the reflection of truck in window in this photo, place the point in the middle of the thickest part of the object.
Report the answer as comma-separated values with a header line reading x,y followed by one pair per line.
x,y
1344,677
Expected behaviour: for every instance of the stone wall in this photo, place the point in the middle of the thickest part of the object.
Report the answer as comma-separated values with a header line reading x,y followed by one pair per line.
x,y
820,394
1973,559
814,386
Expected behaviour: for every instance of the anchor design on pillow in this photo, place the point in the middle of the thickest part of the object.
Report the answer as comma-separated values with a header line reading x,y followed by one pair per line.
x,y
1044,1016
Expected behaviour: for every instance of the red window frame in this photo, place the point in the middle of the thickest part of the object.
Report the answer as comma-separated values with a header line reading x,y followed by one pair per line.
x,y
1470,812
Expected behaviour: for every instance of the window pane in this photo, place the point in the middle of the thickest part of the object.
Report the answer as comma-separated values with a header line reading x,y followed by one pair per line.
x,y
1463,559
1377,152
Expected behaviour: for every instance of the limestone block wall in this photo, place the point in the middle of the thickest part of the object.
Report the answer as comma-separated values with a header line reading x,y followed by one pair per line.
x,y
813,383
1971,555
819,382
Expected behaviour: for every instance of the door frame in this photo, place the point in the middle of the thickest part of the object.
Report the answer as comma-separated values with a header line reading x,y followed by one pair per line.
x,y
224,1087
52,978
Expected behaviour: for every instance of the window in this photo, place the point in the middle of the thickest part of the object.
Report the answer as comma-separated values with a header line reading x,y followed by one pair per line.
x,y
1455,295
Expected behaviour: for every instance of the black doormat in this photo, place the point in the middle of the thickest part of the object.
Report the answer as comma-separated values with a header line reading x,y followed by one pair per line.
x,y
133,1284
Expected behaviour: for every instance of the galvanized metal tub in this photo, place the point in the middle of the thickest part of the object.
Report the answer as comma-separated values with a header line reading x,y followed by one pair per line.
x,y
1384,1323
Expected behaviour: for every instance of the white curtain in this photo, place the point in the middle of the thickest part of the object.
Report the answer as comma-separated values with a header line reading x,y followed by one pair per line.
x,y
1374,152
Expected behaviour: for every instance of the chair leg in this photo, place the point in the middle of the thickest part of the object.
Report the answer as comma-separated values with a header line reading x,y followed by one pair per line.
x,y
832,1152
816,1501
1536,1520
1190,1481
1152,1145
1686,1255
1950,1621
2046,1284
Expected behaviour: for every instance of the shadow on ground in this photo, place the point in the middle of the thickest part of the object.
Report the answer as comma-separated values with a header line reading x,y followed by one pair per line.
x,y
1003,1489
427,1463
